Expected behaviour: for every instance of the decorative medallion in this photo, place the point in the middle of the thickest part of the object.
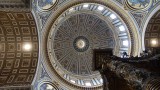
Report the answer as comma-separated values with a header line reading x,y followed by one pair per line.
x,y
46,4
138,4
46,85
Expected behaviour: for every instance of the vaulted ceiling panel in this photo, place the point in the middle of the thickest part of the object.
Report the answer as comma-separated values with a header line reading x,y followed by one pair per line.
x,y
18,48
152,34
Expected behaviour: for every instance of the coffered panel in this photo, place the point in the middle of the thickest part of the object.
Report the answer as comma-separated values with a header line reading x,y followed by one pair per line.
x,y
17,64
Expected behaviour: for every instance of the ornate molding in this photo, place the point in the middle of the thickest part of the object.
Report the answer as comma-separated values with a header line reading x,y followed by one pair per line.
x,y
15,5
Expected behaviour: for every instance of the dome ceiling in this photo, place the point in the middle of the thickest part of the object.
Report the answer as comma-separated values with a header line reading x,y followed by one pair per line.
x,y
72,35
75,39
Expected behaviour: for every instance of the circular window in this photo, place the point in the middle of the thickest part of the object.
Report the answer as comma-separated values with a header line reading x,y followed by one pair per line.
x,y
81,44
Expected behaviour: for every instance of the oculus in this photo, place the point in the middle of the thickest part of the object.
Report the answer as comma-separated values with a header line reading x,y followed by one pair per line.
x,y
81,44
